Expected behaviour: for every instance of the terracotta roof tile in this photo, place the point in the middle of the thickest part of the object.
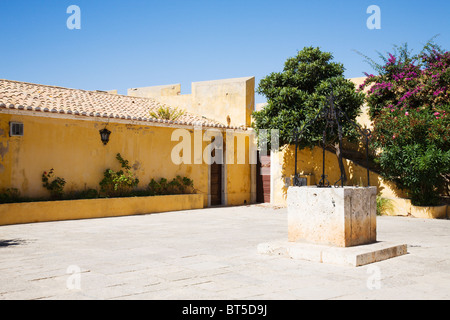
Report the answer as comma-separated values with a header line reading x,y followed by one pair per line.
x,y
50,99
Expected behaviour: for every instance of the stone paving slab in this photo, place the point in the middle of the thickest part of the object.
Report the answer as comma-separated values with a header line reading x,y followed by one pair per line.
x,y
209,254
356,256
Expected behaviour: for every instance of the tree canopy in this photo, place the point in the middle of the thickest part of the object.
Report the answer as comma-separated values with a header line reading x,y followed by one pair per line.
x,y
299,93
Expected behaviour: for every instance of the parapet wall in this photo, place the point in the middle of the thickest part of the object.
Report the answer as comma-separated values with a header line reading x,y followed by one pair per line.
x,y
229,101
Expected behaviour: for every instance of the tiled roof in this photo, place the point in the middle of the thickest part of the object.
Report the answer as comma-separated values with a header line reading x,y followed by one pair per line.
x,y
42,98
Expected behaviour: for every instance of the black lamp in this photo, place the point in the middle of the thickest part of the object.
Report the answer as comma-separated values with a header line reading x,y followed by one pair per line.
x,y
104,135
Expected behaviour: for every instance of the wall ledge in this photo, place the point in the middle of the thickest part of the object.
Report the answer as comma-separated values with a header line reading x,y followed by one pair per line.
x,y
33,212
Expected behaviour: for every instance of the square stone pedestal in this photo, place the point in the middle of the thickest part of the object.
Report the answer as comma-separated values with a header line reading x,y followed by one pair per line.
x,y
350,257
333,225
342,217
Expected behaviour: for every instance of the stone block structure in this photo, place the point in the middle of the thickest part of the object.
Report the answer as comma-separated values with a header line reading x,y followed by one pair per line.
x,y
342,217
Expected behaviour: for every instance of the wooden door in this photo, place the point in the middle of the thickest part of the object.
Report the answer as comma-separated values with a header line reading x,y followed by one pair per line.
x,y
216,183
263,180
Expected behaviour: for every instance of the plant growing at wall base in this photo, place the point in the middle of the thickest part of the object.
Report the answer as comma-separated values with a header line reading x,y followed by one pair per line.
x,y
179,185
119,183
55,186
10,195
84,194
383,205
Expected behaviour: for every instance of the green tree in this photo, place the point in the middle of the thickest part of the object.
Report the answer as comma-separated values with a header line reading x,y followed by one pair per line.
x,y
299,93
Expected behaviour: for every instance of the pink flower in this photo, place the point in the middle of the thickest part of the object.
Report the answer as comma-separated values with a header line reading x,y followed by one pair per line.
x,y
407,113
438,92
436,114
392,59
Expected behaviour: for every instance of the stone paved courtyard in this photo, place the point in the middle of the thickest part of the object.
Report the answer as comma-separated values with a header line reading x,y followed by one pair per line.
x,y
209,254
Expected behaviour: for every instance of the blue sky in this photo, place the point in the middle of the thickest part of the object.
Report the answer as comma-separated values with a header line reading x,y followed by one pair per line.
x,y
124,44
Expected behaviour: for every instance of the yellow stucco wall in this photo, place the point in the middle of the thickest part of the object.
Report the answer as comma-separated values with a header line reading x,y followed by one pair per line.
x,y
215,99
363,119
309,162
74,150
239,175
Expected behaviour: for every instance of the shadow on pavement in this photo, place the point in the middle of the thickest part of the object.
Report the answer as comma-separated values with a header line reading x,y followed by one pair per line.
x,y
9,243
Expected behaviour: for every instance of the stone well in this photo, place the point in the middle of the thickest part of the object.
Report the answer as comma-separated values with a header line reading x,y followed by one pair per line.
x,y
333,225
342,217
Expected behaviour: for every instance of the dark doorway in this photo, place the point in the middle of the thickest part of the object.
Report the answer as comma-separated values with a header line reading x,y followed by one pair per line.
x,y
216,183
263,179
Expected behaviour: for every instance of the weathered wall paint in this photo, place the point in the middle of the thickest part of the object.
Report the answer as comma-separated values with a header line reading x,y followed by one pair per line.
x,y
217,99
74,150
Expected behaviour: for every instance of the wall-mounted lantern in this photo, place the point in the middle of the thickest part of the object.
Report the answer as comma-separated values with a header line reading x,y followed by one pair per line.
x,y
104,135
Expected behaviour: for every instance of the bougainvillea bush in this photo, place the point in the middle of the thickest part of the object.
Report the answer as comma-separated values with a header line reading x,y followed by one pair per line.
x,y
409,104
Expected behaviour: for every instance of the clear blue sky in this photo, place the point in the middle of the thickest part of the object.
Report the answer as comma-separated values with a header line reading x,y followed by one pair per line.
x,y
124,44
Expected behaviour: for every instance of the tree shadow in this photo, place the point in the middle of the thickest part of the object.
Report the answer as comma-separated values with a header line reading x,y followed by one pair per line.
x,y
10,243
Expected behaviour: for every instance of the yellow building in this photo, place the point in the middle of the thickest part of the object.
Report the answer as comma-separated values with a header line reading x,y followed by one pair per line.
x,y
45,127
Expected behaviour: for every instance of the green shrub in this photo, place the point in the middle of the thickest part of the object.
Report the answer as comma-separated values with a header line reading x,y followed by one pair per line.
x,y
119,183
415,151
383,205
179,185
85,194
409,104
167,113
55,187
10,195
158,188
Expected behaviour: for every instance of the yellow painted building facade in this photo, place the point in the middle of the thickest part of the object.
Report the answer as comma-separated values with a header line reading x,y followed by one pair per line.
x,y
68,140
229,101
